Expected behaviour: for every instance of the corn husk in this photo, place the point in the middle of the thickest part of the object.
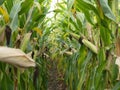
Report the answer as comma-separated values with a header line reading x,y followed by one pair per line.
x,y
118,63
87,43
16,57
117,50
91,46
68,53
117,46
75,36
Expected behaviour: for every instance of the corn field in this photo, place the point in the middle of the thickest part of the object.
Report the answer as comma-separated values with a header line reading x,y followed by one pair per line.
x,y
73,46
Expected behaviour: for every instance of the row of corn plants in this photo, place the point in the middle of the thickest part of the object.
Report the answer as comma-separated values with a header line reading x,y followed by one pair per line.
x,y
86,43
82,36
23,27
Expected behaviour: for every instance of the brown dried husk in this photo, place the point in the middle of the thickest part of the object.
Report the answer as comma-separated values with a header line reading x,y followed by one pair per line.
x,y
117,50
16,57
117,46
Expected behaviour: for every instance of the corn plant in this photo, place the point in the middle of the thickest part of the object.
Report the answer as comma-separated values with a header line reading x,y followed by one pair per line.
x,y
82,38
22,26
86,44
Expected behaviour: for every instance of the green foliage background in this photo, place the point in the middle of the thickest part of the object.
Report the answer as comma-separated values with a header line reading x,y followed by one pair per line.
x,y
60,37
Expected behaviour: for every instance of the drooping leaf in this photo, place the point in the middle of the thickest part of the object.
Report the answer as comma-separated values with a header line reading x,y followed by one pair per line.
x,y
107,10
82,8
14,15
87,6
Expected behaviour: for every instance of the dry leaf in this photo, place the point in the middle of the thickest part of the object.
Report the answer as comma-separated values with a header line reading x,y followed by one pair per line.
x,y
117,50
16,57
118,63
117,46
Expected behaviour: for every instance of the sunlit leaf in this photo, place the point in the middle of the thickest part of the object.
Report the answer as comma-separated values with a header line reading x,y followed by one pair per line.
x,y
5,14
70,4
38,30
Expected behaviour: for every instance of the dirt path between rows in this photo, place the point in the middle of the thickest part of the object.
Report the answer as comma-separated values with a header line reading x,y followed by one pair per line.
x,y
54,81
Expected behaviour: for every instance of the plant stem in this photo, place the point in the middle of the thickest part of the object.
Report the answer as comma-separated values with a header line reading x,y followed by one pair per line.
x,y
15,79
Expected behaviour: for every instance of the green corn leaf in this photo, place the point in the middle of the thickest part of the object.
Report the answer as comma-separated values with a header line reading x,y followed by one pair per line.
x,y
9,5
83,73
105,35
6,83
2,35
114,72
101,55
117,86
70,4
1,2
98,77
107,10
25,6
80,19
25,41
82,55
88,6
14,15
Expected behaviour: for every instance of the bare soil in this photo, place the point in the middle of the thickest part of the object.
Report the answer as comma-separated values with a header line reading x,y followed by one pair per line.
x,y
54,80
